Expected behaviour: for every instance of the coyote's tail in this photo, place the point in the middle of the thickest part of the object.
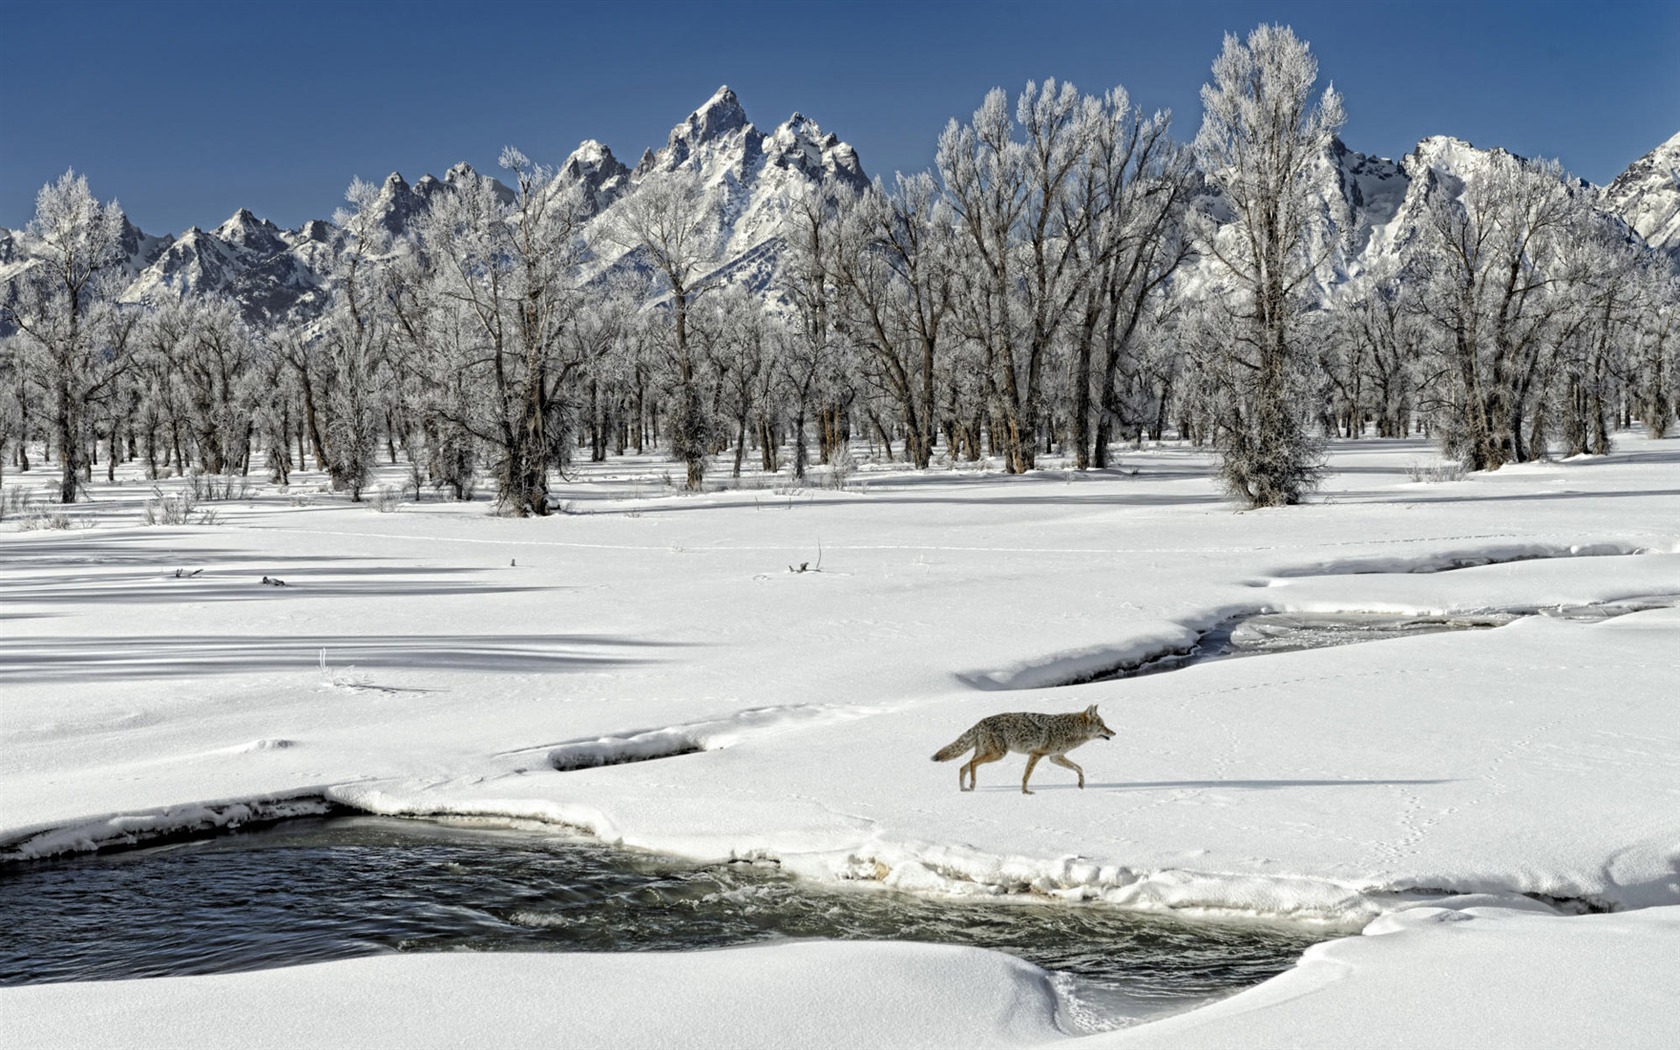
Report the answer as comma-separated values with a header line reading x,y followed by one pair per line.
x,y
955,747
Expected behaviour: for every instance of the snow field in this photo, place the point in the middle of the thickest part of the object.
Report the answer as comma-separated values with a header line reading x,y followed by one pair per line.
x,y
539,669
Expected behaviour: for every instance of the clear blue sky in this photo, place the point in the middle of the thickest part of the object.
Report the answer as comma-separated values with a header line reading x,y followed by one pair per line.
x,y
187,111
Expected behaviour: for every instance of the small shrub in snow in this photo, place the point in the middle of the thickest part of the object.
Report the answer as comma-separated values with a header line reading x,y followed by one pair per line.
x,y
39,516
174,509
218,487
842,467
387,499
1428,474
14,502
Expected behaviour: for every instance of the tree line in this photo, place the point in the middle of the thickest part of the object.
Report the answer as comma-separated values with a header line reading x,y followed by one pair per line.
x,y
1068,278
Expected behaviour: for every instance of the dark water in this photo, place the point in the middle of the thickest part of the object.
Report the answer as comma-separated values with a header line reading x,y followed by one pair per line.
x,y
330,888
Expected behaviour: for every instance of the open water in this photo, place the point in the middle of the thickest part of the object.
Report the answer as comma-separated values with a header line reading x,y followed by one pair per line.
x,y
329,888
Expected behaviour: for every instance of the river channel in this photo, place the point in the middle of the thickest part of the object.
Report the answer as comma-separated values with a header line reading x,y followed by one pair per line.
x,y
313,889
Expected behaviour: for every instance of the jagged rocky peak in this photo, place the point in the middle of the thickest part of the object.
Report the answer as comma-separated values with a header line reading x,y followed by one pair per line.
x,y
799,143
720,117
593,162
139,249
318,230
398,204
462,173
245,230
721,114
600,177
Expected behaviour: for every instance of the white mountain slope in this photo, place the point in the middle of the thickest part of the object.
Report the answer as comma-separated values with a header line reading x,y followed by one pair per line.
x,y
272,273
1647,196
748,179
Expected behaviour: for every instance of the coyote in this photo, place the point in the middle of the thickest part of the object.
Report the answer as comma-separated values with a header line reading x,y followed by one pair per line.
x,y
1033,735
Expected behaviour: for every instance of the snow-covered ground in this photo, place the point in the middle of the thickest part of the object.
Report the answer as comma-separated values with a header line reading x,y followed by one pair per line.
x,y
439,660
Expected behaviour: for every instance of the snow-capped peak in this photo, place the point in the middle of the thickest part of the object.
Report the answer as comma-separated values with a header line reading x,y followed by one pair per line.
x,y
247,231
719,116
589,153
599,176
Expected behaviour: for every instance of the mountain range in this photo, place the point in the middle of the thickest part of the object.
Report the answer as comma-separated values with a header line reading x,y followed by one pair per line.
x,y
750,178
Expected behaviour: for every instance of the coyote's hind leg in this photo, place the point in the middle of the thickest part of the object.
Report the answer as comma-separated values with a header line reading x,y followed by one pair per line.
x,y
982,754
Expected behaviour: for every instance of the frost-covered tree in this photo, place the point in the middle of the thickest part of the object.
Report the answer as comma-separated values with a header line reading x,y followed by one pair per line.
x,y
72,340
1373,362
1134,186
1489,267
354,338
891,266
665,223
1657,378
499,303
11,407
731,331
1599,332
218,371
1017,270
1262,138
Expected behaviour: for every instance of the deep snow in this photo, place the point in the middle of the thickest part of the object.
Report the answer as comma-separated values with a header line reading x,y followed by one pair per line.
x,y
438,660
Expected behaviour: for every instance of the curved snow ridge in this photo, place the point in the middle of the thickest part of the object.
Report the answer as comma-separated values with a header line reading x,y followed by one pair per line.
x,y
1078,666
430,800
642,745
1468,558
144,827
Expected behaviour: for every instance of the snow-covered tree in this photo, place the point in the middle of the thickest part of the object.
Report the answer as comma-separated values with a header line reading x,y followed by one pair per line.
x,y
1017,253
72,340
499,303
1373,361
1489,269
1261,141
1134,186
353,340
891,259
665,223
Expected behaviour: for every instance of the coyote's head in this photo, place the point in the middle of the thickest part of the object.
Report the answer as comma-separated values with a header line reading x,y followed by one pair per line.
x,y
1094,726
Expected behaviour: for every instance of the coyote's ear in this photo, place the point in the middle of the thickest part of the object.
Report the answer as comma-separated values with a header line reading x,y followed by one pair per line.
x,y
1091,712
